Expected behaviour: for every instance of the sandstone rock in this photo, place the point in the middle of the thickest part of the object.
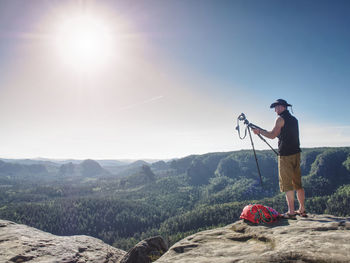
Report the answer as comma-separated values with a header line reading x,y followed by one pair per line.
x,y
20,243
318,238
146,251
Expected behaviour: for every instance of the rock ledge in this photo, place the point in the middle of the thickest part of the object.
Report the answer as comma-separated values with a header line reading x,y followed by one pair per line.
x,y
21,243
318,238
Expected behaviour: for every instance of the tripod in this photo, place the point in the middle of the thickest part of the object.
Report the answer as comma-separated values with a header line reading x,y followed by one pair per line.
x,y
249,126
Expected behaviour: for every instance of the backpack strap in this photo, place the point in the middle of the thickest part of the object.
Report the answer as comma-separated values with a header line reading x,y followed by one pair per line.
x,y
267,220
259,215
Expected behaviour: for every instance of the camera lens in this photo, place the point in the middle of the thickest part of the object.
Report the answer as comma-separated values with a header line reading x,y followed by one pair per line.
x,y
241,117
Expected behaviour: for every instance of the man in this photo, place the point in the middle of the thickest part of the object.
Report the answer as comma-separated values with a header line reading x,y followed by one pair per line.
x,y
287,130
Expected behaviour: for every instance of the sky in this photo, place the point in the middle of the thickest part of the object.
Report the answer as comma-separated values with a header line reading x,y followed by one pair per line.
x,y
168,78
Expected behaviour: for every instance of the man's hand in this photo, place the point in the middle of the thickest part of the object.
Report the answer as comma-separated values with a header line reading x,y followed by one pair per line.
x,y
256,131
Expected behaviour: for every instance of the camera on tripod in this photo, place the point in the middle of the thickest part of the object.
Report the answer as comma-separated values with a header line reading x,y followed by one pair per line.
x,y
249,126
243,118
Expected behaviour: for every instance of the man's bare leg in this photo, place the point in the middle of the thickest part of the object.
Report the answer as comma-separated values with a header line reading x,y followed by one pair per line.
x,y
301,199
290,202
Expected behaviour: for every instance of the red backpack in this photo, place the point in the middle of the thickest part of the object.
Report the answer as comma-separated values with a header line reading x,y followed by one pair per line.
x,y
256,213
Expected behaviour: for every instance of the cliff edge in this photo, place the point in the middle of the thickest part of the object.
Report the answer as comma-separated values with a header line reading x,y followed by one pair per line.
x,y
318,238
21,243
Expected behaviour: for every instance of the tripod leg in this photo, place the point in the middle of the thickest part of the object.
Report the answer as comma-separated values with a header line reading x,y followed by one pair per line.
x,y
268,144
256,159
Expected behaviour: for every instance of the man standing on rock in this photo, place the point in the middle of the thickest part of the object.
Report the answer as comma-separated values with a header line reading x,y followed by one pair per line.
x,y
287,130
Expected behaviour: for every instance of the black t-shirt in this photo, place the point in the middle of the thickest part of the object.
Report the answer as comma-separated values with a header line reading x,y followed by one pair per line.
x,y
288,139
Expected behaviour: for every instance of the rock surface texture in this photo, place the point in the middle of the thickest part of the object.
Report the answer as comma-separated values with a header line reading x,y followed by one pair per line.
x,y
20,243
146,251
318,238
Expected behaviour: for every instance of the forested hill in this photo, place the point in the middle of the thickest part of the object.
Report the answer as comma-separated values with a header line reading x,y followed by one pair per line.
x,y
124,203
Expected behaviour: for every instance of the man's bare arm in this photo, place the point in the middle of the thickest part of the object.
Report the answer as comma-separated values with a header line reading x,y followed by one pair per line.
x,y
275,131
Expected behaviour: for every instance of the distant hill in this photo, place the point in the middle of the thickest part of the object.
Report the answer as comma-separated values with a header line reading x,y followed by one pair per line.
x,y
87,168
30,161
142,176
16,171
32,168
126,170
57,162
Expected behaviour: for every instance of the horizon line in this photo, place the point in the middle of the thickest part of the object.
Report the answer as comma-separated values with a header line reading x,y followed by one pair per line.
x,y
147,158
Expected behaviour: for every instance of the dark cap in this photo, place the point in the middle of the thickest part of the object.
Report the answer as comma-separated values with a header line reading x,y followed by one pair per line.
x,y
280,102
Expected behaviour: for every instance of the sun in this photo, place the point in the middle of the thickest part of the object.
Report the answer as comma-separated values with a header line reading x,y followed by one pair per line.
x,y
84,42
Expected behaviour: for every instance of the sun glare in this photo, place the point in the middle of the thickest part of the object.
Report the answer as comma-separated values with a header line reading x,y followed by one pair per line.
x,y
84,42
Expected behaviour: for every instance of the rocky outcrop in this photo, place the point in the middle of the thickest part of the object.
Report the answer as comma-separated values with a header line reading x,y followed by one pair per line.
x,y
20,243
146,251
318,238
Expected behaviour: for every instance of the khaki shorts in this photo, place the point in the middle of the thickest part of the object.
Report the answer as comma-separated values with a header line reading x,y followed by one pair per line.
x,y
289,172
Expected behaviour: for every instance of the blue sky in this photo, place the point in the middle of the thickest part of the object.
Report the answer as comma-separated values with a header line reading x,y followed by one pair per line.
x,y
174,78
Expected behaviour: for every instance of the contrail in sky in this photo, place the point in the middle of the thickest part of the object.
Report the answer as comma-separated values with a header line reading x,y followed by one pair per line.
x,y
142,103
